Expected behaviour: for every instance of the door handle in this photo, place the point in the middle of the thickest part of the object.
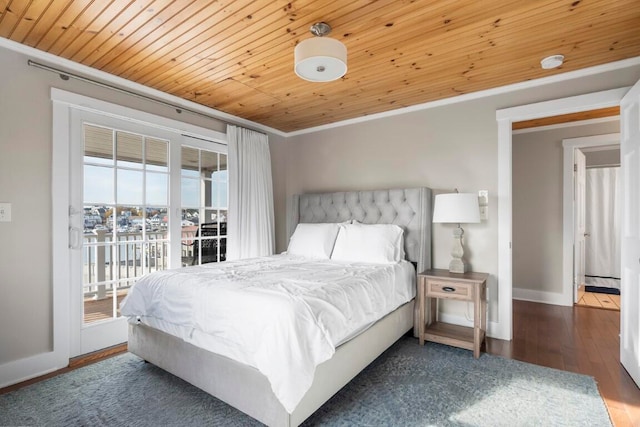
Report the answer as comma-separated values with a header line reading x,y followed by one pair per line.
x,y
74,238
587,234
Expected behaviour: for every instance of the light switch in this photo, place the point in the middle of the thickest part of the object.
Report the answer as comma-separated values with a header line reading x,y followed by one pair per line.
x,y
5,212
483,204
484,213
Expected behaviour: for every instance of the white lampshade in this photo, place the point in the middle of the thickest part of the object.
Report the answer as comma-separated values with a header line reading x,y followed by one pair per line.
x,y
461,208
320,59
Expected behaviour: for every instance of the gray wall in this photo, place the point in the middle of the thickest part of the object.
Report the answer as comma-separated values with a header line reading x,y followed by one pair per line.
x,y
446,147
537,204
430,148
25,181
609,157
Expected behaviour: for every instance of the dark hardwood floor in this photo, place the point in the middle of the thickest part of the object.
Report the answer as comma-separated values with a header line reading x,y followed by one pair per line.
x,y
577,339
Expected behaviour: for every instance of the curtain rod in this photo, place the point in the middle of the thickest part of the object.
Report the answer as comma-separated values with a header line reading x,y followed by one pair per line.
x,y
65,75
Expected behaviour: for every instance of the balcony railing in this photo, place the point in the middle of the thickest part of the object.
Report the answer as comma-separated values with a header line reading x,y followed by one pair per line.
x,y
109,263
111,267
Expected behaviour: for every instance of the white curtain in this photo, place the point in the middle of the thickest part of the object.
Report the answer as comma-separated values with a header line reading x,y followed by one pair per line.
x,y
602,246
251,217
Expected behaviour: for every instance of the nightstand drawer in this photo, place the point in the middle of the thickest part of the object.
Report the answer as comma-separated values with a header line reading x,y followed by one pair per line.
x,y
446,289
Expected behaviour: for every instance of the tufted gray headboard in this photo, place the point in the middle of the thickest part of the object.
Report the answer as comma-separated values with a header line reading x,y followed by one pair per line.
x,y
409,208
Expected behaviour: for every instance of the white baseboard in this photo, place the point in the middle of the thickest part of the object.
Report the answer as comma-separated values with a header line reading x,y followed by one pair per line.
x,y
20,370
541,297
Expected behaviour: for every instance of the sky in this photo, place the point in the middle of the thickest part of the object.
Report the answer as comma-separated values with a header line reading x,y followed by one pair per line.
x,y
139,182
99,186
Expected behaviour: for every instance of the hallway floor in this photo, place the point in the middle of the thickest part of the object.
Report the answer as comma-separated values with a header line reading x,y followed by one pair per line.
x,y
593,299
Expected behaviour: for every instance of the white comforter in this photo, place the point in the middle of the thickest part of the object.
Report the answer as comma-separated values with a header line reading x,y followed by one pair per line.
x,y
283,315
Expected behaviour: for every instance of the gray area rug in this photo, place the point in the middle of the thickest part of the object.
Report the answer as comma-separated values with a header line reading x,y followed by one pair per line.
x,y
408,385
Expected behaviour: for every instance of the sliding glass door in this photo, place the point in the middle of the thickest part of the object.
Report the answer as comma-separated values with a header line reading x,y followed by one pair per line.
x,y
125,177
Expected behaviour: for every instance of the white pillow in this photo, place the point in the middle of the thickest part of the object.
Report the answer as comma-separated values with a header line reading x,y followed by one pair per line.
x,y
313,240
371,243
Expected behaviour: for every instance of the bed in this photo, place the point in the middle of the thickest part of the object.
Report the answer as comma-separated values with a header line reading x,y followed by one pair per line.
x,y
247,388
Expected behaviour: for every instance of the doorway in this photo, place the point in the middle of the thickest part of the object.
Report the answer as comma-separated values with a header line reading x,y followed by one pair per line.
x,y
116,172
121,222
602,207
608,145
505,119
629,101
543,208
119,179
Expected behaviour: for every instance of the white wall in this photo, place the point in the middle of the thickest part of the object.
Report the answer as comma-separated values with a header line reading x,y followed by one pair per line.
x,y
537,205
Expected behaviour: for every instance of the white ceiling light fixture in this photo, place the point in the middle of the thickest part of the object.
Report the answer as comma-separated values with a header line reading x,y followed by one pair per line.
x,y
553,61
320,59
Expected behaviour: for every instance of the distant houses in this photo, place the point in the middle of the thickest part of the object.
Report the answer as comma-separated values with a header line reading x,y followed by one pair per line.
x,y
131,219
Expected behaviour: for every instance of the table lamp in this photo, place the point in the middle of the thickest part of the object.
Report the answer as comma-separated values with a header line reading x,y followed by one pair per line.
x,y
460,208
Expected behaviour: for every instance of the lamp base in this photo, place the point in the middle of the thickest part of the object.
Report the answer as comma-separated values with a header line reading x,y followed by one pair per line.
x,y
457,266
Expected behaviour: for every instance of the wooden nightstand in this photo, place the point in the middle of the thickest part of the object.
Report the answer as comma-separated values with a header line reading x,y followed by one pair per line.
x,y
436,284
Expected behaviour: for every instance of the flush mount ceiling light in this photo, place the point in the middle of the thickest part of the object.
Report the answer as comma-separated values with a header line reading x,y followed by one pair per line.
x,y
320,59
553,61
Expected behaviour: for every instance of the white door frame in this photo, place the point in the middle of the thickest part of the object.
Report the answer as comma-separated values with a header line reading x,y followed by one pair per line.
x,y
569,146
579,218
506,117
630,233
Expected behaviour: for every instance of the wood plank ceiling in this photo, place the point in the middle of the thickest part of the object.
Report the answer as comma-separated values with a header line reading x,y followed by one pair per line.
x,y
237,55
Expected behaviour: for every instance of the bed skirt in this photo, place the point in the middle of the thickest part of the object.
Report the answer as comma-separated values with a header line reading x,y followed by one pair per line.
x,y
248,390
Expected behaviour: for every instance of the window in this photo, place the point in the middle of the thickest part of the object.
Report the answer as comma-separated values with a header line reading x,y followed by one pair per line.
x,y
204,205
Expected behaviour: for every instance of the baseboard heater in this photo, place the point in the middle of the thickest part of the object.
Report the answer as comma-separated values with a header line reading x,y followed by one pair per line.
x,y
601,290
